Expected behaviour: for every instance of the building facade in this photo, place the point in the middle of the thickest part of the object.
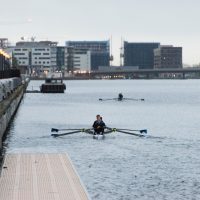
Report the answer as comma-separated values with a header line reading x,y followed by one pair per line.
x,y
6,70
99,52
60,57
4,61
166,57
33,56
82,60
139,54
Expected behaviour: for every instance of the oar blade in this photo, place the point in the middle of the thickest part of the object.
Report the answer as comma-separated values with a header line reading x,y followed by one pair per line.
x,y
143,131
100,99
54,130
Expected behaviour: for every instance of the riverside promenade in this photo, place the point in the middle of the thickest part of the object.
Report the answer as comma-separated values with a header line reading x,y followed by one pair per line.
x,y
40,177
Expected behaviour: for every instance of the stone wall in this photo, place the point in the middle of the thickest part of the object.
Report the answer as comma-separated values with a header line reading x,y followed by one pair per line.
x,y
8,107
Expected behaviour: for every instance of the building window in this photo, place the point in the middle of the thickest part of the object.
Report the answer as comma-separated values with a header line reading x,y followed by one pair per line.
x,y
22,58
19,54
39,49
41,58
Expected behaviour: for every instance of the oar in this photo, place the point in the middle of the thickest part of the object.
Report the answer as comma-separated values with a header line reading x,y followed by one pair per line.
x,y
136,134
77,131
134,99
141,131
125,131
65,129
69,133
106,99
89,131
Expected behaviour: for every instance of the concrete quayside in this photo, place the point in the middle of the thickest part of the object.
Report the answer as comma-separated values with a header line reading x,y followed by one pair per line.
x,y
8,107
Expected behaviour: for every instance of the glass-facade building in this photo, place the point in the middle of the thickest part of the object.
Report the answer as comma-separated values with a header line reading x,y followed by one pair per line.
x,y
168,57
100,51
99,59
140,54
60,57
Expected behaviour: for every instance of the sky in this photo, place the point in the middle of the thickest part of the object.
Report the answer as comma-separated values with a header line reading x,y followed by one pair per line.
x,y
171,22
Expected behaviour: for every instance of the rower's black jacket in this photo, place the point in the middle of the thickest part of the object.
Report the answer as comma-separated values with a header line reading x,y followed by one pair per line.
x,y
98,123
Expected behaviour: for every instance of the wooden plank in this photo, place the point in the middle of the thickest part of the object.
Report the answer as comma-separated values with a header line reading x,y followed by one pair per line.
x,y
40,177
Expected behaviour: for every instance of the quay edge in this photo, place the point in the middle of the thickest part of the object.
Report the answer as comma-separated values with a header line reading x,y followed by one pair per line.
x,y
8,108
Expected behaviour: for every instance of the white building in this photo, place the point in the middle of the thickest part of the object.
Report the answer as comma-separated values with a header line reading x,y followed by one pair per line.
x,y
45,56
35,55
82,60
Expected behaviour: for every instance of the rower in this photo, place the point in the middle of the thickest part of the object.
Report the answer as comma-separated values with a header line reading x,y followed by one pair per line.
x,y
120,97
98,125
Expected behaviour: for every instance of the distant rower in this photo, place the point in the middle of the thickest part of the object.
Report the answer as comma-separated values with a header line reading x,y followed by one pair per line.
x,y
120,97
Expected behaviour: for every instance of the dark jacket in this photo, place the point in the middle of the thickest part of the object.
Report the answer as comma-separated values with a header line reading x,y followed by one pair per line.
x,y
98,126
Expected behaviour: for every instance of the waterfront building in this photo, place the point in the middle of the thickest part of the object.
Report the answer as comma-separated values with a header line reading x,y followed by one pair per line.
x,y
6,70
35,55
99,59
166,57
4,61
139,54
60,57
72,59
99,52
82,60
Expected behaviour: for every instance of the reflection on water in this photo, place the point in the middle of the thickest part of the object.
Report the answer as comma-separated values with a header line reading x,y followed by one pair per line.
x,y
163,165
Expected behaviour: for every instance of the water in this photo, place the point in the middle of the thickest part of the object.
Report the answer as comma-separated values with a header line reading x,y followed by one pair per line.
x,y
164,165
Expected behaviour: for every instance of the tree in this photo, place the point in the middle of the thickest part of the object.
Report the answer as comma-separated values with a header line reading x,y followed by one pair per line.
x,y
14,62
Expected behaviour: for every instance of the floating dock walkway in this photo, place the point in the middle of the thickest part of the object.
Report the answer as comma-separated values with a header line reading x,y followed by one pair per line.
x,y
40,177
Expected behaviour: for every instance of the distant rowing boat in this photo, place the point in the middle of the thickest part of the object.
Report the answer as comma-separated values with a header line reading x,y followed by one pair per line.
x,y
120,98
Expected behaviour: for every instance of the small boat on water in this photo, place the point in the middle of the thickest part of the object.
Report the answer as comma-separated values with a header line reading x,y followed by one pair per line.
x,y
107,130
121,98
53,85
